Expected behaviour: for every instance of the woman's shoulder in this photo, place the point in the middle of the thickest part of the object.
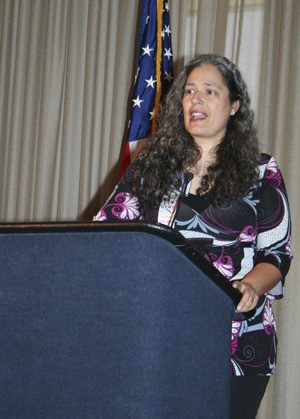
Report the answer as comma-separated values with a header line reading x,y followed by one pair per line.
x,y
267,162
269,170
265,158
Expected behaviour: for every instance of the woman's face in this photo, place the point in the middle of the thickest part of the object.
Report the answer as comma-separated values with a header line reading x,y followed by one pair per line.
x,y
206,105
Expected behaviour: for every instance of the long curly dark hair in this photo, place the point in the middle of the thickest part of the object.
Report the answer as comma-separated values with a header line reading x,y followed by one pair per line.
x,y
158,169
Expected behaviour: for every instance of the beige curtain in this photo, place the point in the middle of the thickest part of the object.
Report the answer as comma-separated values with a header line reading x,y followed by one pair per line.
x,y
65,74
66,70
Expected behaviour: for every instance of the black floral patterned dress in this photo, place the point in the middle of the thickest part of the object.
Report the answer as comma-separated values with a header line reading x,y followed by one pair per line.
x,y
233,238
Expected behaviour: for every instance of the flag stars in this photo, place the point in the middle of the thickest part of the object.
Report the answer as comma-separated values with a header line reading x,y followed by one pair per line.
x,y
137,102
167,30
147,50
168,76
168,53
167,6
150,82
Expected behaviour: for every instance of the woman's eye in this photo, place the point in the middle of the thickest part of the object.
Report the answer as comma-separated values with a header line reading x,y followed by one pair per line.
x,y
210,92
189,92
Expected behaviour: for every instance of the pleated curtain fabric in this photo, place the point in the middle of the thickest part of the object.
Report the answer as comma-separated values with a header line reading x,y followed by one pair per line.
x,y
65,74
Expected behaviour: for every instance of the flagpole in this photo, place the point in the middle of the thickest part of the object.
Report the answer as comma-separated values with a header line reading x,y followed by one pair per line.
x,y
159,12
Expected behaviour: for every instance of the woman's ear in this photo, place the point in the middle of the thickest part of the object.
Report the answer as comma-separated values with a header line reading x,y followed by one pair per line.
x,y
235,107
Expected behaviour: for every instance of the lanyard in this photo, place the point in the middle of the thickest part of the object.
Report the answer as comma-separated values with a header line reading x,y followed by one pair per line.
x,y
171,202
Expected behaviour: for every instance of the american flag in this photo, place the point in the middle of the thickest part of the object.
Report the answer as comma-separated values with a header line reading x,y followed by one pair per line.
x,y
154,75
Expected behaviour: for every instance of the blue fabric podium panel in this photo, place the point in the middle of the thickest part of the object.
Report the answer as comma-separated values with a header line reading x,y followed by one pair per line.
x,y
109,325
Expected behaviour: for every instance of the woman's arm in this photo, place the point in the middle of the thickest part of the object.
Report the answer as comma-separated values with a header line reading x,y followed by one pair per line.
x,y
273,244
259,281
122,205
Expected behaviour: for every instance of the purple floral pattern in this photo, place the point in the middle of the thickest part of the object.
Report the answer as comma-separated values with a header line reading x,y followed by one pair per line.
x,y
223,263
268,319
123,206
236,328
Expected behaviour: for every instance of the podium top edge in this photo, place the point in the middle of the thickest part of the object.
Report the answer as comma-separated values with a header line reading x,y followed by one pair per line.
x,y
90,227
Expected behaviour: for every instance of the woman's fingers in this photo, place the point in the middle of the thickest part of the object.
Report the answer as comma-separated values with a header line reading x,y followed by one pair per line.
x,y
249,297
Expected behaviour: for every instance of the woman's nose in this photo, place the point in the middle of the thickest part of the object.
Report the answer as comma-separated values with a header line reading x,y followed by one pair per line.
x,y
197,98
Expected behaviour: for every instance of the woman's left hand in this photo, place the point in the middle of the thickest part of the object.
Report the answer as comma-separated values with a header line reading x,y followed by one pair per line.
x,y
249,298
261,279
